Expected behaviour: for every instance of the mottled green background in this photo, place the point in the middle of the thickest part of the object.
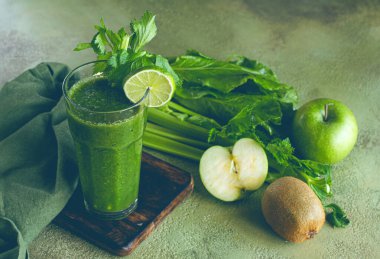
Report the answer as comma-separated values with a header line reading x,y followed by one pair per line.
x,y
323,48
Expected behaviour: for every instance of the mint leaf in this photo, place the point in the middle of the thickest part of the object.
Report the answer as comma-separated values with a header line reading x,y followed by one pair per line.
x,y
141,61
121,32
143,30
114,38
163,63
124,42
102,66
124,52
82,46
97,44
125,63
124,39
114,60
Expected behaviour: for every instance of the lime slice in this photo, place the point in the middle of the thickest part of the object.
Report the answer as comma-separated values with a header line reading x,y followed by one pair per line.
x,y
161,87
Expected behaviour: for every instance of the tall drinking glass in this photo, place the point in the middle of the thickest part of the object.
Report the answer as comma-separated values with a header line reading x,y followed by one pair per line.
x,y
107,130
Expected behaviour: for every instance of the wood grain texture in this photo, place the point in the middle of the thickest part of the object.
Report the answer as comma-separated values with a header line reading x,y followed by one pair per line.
x,y
162,188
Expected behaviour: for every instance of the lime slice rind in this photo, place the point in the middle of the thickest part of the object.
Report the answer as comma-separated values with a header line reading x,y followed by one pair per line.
x,y
161,87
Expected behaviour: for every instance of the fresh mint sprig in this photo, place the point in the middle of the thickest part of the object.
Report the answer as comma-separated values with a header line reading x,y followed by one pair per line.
x,y
124,51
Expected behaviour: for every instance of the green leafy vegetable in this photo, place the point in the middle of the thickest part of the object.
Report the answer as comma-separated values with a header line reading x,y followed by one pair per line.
x,y
255,117
220,75
221,89
225,76
143,31
284,163
337,217
82,46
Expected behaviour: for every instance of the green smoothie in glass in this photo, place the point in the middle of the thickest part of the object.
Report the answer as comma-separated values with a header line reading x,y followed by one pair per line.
x,y
107,130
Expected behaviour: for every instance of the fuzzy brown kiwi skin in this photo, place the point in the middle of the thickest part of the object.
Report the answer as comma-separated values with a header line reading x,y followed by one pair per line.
x,y
292,209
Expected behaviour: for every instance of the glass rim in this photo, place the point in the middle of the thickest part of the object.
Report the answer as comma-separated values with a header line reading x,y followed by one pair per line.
x,y
79,107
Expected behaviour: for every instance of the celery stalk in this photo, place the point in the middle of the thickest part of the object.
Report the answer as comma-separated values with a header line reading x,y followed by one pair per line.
x,y
170,146
167,133
180,108
186,129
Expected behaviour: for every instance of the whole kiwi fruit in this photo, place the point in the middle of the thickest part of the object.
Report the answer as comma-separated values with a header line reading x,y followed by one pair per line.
x,y
292,209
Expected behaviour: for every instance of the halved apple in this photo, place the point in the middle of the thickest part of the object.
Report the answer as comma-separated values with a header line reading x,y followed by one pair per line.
x,y
228,174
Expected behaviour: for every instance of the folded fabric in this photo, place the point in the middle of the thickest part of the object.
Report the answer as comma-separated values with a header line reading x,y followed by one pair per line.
x,y
38,173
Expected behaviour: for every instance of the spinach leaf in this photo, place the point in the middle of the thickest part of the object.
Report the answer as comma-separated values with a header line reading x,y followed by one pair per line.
x,y
220,75
222,109
242,75
255,65
255,120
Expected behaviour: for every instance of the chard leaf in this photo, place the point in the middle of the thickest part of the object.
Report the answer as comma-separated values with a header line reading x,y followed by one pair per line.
x,y
143,30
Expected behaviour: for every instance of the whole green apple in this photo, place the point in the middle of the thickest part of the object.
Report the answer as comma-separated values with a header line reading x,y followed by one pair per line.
x,y
324,130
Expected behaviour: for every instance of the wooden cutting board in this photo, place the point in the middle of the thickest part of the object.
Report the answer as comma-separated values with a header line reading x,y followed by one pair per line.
x,y
162,188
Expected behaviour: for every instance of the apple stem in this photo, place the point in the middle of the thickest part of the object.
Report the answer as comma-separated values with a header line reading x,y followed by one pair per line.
x,y
326,115
326,112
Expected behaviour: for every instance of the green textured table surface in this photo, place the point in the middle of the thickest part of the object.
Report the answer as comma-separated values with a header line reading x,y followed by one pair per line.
x,y
323,48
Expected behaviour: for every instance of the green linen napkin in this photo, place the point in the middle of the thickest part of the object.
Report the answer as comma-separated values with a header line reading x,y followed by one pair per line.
x,y
38,173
